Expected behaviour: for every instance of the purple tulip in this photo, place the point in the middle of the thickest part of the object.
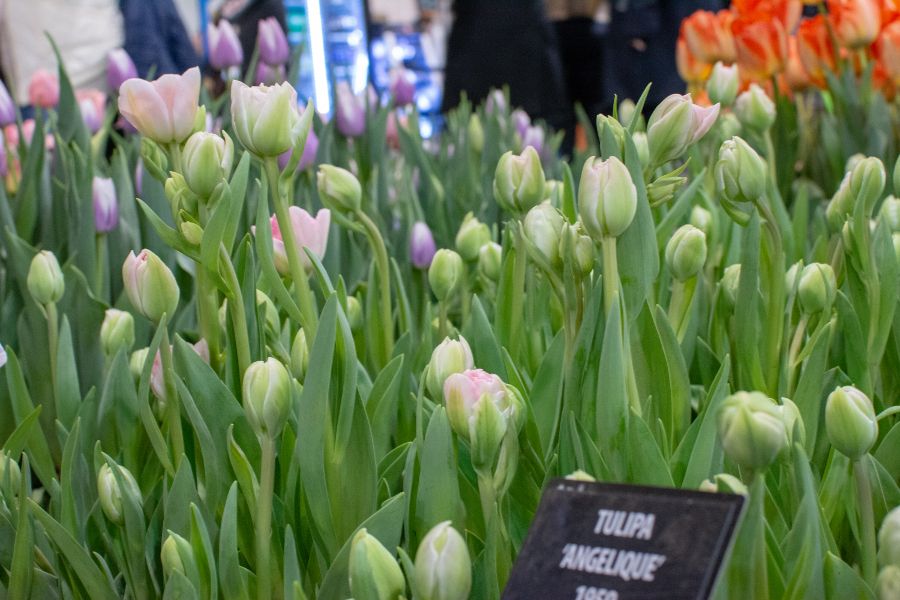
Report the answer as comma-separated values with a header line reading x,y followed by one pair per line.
x,y
421,246
7,107
496,102
224,47
521,122
534,137
138,178
266,75
309,154
349,111
403,86
3,165
273,45
106,208
119,68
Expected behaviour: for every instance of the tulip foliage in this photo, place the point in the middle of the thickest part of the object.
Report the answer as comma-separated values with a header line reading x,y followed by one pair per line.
x,y
251,354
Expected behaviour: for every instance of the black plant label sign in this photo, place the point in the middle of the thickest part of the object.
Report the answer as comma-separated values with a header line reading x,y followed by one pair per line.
x,y
603,541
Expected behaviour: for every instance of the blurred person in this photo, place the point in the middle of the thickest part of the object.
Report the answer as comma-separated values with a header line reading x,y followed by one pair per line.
x,y
245,15
156,38
84,30
580,39
505,42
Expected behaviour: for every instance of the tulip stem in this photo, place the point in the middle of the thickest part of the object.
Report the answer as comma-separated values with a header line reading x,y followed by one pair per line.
x,y
490,510
173,410
775,312
867,522
610,273
794,351
99,264
518,288
52,340
238,315
383,267
208,314
680,306
442,319
305,300
264,518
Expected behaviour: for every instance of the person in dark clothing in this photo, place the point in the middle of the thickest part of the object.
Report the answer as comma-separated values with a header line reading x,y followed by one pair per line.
x,y
505,42
640,48
155,37
245,16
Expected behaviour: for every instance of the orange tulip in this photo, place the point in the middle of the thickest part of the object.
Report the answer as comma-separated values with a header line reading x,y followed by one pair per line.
x,y
786,11
889,51
708,35
795,77
890,11
692,70
761,44
816,49
856,23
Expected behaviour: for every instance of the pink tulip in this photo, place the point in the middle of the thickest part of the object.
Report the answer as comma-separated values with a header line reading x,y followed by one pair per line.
x,y
464,391
163,110
43,90
308,232
157,382
119,69
349,110
93,107
272,43
224,46
7,107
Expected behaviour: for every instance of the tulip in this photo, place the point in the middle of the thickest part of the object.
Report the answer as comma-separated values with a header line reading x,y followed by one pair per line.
x,y
421,245
543,225
850,422
786,12
794,78
521,121
890,212
888,584
475,133
4,166
675,125
307,159
686,252
402,86
164,110
495,103
708,36
722,85
472,235
299,355
816,49
449,357
374,572
729,284
691,69
856,23
45,279
106,206
519,181
490,259
170,557
349,110
309,232
740,176
867,181
272,43
445,273
43,89
889,49
702,219
117,331
534,138
267,397
265,118
889,539
150,285
761,44
10,473
607,198
111,493
119,69
354,314
339,188
225,49
92,104
443,566
751,428
793,422
207,162
755,109
840,205
7,107
268,75
816,287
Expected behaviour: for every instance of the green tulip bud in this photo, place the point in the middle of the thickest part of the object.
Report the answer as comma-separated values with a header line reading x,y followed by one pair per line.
x,y
443,566
626,110
890,213
543,224
150,285
686,252
675,124
793,422
854,160
490,260
111,494
519,181
895,238
45,279
269,311
553,190
897,176
445,273
170,557
449,357
840,205
615,128
267,397
354,314
791,278
850,422
731,279
207,161
642,146
728,126
663,188
751,428
136,362
154,159
300,355
10,476
889,539
472,235
816,288
192,232
888,584
702,219
374,572
755,109
476,133
607,198
180,195
117,331
724,483
867,181
722,85
339,189
740,177
579,475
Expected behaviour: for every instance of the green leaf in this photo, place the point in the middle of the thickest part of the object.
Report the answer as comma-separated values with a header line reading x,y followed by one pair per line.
x,y
166,233
547,393
16,442
568,195
229,562
157,441
645,462
809,395
485,346
842,582
68,398
263,235
381,405
438,498
203,553
243,472
747,327
612,398
706,456
22,559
